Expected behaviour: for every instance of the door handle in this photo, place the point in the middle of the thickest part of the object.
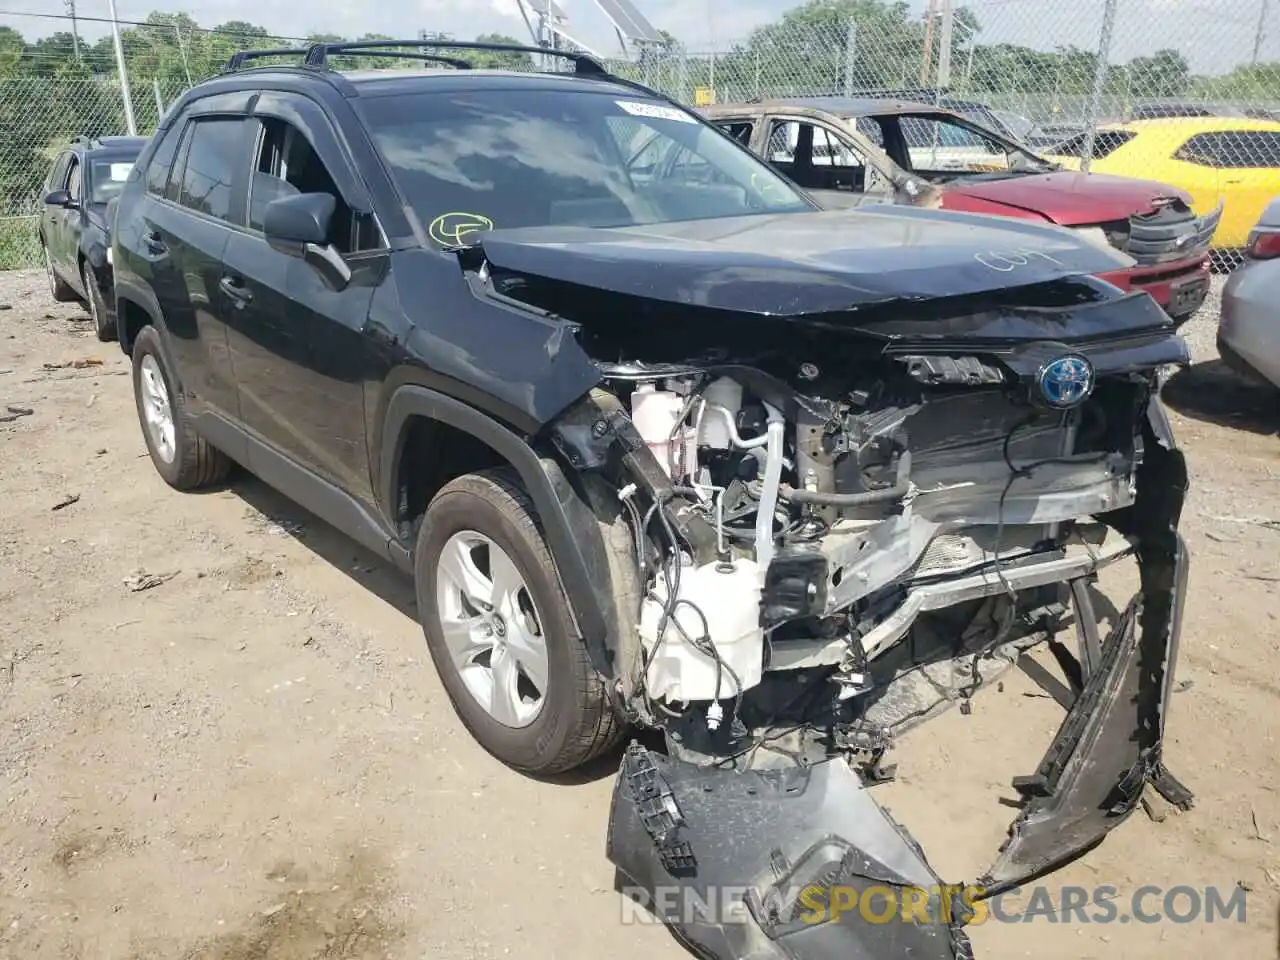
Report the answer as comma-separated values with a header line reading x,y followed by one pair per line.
x,y
154,242
234,288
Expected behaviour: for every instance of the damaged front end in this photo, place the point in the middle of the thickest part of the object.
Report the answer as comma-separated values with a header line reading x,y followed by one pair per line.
x,y
846,520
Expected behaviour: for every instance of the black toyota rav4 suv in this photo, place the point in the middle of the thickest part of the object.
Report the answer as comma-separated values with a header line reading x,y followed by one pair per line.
x,y
666,446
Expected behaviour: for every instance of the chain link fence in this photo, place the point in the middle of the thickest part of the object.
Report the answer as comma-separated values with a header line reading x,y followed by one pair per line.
x,y
1183,91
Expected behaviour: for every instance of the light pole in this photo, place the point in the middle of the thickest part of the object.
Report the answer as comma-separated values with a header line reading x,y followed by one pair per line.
x,y
124,73
1261,31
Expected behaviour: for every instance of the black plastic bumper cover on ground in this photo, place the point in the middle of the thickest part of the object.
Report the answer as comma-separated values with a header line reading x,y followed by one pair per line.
x,y
683,835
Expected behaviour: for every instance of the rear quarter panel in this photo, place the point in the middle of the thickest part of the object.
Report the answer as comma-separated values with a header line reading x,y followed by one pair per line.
x,y
1247,193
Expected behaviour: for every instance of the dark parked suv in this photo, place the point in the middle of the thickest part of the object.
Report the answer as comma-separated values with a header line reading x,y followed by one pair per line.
x,y
74,231
664,444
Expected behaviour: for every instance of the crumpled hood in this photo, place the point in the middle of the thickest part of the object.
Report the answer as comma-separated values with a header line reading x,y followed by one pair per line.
x,y
802,263
1070,198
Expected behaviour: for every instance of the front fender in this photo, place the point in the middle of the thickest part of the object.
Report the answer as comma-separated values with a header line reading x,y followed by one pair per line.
x,y
567,523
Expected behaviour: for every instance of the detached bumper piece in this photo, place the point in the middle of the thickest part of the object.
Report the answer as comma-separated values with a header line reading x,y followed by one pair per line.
x,y
1110,746
769,857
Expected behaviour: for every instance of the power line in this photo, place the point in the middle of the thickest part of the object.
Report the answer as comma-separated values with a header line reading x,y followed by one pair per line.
x,y
136,23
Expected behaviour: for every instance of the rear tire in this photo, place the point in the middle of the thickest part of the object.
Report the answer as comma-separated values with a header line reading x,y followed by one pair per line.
x,y
104,325
59,289
182,457
487,523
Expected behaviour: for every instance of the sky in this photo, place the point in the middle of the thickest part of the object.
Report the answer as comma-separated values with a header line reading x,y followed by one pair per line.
x,y
1214,35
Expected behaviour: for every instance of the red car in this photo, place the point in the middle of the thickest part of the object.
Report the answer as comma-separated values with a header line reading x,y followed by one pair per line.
x,y
850,152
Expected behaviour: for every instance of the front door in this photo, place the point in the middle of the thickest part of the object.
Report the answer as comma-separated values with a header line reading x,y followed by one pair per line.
x,y
298,346
60,224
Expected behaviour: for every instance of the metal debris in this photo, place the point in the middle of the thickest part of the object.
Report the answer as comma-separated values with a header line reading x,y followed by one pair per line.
x,y
66,501
13,413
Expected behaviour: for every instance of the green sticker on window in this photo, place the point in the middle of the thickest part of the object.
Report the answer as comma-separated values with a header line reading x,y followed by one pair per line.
x,y
449,229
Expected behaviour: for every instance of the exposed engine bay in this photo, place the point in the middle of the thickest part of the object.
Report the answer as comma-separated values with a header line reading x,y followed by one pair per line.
x,y
844,523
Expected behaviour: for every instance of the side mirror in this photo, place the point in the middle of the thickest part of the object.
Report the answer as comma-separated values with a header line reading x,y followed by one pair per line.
x,y
299,226
301,219
59,198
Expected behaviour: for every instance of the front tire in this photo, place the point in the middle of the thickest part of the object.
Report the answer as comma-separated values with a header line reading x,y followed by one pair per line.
x,y
59,289
104,325
184,459
500,632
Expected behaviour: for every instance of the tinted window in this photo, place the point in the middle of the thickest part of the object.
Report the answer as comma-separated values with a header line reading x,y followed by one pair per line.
x,y
527,158
215,156
162,160
1243,149
58,175
1104,142
1164,110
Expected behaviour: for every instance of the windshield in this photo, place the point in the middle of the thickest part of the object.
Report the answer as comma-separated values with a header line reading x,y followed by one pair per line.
x,y
1015,123
515,158
939,143
108,176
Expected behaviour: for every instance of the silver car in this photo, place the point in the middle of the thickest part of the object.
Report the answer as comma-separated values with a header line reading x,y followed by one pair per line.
x,y
1249,331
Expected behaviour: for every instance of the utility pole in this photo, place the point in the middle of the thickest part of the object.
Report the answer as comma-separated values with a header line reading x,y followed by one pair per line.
x,y
1261,31
125,95
944,54
1099,82
75,32
927,61
850,55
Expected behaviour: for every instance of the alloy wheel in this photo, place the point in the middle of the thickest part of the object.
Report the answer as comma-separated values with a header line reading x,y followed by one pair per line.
x,y
157,409
492,629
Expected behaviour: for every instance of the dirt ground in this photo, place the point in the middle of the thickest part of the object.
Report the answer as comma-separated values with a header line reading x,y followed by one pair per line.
x,y
252,758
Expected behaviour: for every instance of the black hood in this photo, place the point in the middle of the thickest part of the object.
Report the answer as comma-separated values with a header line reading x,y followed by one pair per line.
x,y
802,263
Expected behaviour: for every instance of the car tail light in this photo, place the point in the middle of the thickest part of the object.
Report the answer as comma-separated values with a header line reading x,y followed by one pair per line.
x,y
1263,245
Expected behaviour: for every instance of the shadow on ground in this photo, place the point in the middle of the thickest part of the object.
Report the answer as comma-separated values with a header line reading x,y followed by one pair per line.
x,y
374,574
1211,391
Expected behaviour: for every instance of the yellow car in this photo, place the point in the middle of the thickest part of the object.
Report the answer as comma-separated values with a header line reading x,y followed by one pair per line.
x,y
1232,159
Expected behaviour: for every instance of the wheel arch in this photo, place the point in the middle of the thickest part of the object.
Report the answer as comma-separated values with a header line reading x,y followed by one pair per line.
x,y
135,308
570,526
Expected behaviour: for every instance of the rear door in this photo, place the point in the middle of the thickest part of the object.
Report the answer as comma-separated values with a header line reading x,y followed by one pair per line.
x,y
62,235
185,231
298,346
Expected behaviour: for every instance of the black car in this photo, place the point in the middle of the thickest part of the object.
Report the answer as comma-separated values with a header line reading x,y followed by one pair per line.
x,y
74,230
664,445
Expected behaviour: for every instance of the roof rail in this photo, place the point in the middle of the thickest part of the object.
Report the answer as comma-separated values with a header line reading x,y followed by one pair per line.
x,y
319,53
238,59
456,62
